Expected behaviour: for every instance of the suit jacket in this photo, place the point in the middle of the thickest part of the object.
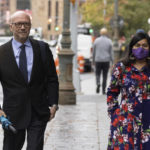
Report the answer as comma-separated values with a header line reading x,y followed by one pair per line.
x,y
20,98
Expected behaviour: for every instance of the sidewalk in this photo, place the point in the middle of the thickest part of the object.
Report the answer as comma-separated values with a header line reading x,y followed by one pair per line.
x,y
80,127
84,126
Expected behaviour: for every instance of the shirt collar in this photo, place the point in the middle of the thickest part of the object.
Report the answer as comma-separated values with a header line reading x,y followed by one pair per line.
x,y
18,44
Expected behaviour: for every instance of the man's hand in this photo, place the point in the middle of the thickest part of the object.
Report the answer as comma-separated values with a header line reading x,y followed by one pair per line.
x,y
2,113
53,110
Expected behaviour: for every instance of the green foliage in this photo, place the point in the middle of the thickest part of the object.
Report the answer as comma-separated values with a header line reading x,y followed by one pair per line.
x,y
134,12
89,10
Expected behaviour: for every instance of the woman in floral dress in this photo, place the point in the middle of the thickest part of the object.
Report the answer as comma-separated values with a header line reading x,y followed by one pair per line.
x,y
130,118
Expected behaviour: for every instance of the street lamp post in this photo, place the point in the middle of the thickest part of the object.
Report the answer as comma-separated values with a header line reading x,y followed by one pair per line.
x,y
66,91
116,31
104,11
74,35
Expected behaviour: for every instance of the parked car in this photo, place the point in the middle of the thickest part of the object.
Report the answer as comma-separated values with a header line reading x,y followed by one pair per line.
x,y
4,39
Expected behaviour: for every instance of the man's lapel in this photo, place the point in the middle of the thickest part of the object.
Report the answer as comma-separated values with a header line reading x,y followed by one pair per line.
x,y
35,47
13,65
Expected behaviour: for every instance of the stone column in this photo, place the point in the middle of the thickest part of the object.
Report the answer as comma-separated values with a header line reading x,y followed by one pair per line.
x,y
66,91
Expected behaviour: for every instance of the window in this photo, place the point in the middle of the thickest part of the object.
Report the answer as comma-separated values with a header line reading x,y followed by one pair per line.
x,y
49,8
56,14
49,15
23,4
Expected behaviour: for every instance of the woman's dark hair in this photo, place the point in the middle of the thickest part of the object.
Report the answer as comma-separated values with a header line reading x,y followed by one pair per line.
x,y
137,37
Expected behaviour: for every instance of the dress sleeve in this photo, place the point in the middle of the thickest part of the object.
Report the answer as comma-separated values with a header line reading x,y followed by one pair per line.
x,y
113,90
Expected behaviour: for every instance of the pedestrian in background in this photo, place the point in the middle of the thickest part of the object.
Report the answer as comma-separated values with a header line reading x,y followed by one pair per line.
x,y
30,86
130,117
102,56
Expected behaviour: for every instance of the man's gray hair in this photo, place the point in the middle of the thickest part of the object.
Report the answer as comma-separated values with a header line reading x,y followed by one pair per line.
x,y
103,31
16,14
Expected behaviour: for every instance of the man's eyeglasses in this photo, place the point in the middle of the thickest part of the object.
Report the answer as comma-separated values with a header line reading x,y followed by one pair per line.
x,y
20,24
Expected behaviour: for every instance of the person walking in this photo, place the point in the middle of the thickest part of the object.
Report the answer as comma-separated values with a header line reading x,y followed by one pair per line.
x,y
130,116
102,56
30,86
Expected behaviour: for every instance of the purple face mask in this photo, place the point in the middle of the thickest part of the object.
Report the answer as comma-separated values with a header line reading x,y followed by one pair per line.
x,y
140,53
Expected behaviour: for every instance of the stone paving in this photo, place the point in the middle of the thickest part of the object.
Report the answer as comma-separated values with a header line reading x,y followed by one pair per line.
x,y
79,127
84,126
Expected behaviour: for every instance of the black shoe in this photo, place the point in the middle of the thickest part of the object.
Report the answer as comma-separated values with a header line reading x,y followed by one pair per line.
x,y
97,89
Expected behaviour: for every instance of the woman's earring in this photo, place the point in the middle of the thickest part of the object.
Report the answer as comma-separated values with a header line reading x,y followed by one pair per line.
x,y
148,58
132,57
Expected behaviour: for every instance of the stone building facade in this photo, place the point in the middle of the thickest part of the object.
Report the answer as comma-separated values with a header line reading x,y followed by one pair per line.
x,y
4,15
46,14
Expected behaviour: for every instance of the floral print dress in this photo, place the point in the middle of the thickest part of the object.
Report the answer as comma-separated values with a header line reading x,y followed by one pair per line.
x,y
130,117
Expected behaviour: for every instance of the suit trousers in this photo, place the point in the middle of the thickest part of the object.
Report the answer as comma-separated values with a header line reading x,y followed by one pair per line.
x,y
102,67
35,136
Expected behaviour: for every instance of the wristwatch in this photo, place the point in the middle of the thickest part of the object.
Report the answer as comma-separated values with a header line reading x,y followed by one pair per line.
x,y
56,106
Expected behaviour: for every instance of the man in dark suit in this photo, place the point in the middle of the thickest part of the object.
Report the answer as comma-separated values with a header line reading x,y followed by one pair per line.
x,y
30,86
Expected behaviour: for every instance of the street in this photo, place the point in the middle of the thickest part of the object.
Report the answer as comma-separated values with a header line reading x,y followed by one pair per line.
x,y
84,126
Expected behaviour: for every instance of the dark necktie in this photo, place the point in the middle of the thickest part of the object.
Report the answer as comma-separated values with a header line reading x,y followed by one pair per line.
x,y
23,63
